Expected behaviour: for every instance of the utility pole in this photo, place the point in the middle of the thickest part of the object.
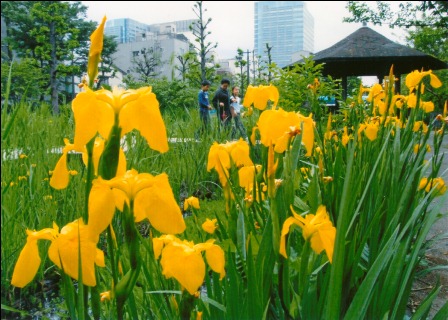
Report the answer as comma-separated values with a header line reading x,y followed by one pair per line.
x,y
248,64
253,65
268,51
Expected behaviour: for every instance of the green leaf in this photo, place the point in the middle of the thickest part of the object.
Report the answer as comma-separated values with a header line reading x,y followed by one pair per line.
x,y
423,310
8,126
442,314
360,302
22,313
314,195
300,205
253,292
241,235
213,302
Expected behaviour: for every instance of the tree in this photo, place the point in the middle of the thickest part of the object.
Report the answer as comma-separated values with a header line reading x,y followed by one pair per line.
x,y
147,62
353,84
48,32
270,66
186,61
426,22
241,63
26,79
202,47
106,68
259,67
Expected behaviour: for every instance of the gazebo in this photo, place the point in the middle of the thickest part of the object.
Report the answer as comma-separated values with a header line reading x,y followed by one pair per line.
x,y
365,52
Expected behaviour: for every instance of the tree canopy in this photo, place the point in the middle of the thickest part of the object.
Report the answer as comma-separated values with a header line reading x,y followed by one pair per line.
x,y
54,37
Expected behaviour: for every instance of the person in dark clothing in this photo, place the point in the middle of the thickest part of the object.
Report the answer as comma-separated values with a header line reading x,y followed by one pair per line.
x,y
204,107
221,102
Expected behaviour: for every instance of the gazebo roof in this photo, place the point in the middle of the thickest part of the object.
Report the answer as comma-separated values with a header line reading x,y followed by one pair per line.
x,y
365,52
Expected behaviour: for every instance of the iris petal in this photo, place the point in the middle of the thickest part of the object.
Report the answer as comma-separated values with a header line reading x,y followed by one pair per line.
x,y
186,267
27,265
216,261
60,178
144,115
160,207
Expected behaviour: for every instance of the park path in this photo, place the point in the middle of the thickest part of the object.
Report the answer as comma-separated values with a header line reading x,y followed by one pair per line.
x,y
437,253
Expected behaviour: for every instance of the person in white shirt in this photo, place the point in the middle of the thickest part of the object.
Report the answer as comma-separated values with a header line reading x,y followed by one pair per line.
x,y
235,111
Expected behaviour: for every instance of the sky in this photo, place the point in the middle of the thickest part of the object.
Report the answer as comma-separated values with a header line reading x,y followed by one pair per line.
x,y
232,24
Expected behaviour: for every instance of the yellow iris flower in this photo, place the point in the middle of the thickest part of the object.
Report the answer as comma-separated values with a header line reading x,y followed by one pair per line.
x,y
259,96
420,125
318,229
345,137
246,177
362,89
191,202
427,106
414,78
96,47
371,130
98,111
437,183
221,155
152,197
60,178
209,225
376,93
63,252
277,126
182,260
397,100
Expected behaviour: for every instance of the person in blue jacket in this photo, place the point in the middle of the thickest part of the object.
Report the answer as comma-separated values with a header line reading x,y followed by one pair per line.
x,y
204,108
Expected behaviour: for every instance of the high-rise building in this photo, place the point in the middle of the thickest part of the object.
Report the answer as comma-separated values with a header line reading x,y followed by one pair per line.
x,y
286,26
125,30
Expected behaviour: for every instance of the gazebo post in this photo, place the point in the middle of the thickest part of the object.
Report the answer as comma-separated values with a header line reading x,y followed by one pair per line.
x,y
380,78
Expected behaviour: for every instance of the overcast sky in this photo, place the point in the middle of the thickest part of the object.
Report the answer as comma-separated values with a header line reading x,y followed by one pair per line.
x,y
232,23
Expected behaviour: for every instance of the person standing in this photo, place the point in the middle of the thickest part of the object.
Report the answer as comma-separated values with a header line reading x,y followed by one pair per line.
x,y
221,102
235,111
204,107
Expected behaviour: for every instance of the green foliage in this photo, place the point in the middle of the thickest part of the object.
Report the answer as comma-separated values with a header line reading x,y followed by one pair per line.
x,y
188,67
293,85
241,78
49,32
430,40
53,36
175,97
26,80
